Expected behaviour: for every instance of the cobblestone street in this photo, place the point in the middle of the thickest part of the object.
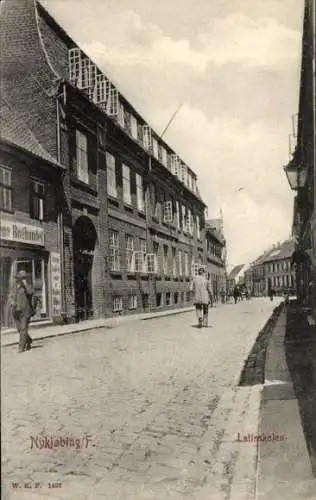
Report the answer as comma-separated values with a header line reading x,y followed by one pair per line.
x,y
147,410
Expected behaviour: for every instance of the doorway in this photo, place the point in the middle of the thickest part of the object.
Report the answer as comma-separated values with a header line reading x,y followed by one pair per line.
x,y
84,240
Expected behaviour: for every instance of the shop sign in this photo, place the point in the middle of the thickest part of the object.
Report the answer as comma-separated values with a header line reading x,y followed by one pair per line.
x,y
22,233
55,283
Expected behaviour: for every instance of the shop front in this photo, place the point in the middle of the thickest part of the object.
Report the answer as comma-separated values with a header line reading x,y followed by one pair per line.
x,y
23,248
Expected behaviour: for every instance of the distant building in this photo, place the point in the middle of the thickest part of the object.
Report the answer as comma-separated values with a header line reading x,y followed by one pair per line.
x,y
278,274
216,255
236,276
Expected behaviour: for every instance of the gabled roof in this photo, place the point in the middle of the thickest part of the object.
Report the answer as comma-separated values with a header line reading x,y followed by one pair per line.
x,y
14,131
235,271
283,251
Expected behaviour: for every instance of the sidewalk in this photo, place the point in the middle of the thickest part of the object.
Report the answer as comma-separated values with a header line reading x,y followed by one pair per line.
x,y
285,463
39,332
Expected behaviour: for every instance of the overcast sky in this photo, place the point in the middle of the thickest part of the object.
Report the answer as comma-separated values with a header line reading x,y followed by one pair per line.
x,y
235,65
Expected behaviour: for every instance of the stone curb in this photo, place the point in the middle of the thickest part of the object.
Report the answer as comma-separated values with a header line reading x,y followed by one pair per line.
x,y
282,469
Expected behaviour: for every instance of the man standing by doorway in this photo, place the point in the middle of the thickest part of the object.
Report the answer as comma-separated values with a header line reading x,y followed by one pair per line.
x,y
21,303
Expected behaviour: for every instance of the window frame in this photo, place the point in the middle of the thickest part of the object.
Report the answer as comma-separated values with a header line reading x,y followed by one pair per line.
x,y
84,153
34,195
132,302
130,249
119,306
6,187
110,162
126,181
140,198
114,251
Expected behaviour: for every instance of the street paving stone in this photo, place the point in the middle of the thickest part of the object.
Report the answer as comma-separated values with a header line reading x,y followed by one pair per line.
x,y
146,410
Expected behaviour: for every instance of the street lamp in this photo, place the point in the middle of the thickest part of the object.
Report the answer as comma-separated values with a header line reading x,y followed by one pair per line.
x,y
296,175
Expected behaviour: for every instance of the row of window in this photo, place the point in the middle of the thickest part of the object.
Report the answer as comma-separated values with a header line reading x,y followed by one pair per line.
x,y
167,210
37,194
282,281
138,260
162,299
214,249
88,77
275,267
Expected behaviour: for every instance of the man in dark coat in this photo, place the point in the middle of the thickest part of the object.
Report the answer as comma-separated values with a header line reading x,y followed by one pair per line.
x,y
22,309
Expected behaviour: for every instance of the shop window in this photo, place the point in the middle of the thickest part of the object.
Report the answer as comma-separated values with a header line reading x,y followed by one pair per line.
x,y
132,302
37,200
168,299
5,189
82,171
111,175
36,268
117,303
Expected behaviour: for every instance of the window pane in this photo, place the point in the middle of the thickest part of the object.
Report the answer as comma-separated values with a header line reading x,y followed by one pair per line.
x,y
111,175
127,195
82,157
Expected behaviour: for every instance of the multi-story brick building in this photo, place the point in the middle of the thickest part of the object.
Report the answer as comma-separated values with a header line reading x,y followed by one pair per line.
x,y
30,208
216,255
132,224
278,269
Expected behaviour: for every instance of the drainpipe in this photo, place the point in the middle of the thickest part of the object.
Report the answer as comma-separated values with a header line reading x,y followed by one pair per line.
x,y
60,221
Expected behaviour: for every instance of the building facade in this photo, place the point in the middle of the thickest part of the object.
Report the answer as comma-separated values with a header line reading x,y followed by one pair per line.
x,y
301,170
278,269
132,225
216,256
30,208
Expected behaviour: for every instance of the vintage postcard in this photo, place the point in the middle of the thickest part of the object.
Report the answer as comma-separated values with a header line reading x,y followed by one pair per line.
x,y
158,249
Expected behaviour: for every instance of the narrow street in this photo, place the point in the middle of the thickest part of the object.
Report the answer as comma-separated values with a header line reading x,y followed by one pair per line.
x,y
147,410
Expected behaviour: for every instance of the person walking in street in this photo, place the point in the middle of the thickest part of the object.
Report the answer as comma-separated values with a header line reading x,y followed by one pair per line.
x,y
236,293
21,303
202,293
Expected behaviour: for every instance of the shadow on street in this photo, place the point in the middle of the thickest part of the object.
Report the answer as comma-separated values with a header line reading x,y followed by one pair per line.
x,y
300,351
254,366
